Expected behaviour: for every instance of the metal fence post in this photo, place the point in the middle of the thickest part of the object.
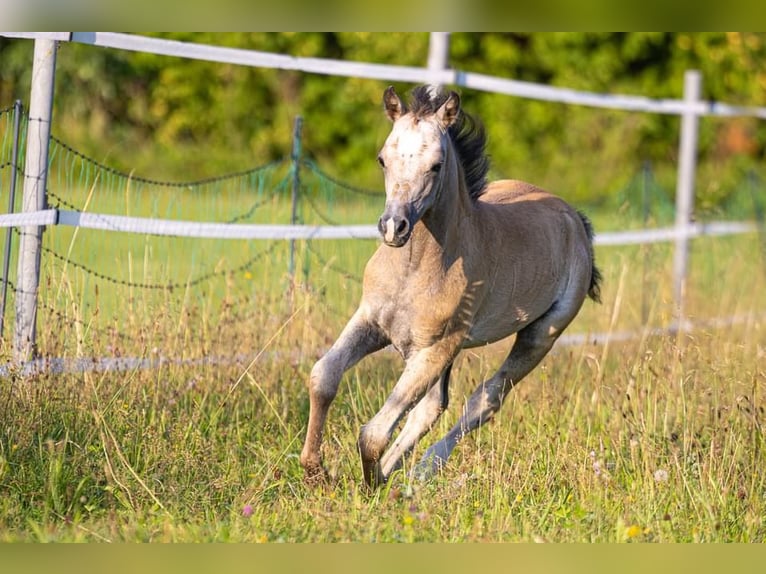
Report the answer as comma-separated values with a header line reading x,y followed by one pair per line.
x,y
687,163
35,180
17,109
296,161
438,53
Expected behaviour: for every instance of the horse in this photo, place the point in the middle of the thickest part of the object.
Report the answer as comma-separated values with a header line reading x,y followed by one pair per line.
x,y
463,262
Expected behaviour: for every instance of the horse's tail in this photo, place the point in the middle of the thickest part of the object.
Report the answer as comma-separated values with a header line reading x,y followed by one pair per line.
x,y
594,289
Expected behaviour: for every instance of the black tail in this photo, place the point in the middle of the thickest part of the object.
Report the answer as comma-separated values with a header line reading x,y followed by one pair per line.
x,y
594,289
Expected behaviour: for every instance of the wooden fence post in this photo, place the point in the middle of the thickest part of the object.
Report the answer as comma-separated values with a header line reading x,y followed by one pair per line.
x,y
35,183
687,165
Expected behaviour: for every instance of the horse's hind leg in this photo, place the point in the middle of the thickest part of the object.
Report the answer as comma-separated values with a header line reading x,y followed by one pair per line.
x,y
531,345
358,339
419,421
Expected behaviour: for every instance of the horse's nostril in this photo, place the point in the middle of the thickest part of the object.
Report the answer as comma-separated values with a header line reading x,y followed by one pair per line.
x,y
402,227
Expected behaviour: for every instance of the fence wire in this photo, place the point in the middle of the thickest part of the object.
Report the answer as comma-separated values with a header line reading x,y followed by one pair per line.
x,y
81,183
235,277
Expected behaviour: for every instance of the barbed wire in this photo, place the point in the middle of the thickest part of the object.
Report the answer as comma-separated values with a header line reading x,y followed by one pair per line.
x,y
50,309
249,212
324,175
63,317
9,110
164,286
149,181
332,266
158,286
101,331
170,286
62,202
113,332
161,183
322,215
65,203
13,287
246,215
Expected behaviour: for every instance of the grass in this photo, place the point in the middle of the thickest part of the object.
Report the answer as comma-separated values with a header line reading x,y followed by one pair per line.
x,y
659,438
668,446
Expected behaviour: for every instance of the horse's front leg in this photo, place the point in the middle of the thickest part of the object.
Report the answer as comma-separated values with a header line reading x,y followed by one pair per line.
x,y
358,339
419,421
422,370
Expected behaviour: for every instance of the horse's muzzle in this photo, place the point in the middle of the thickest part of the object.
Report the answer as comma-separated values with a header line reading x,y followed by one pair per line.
x,y
395,229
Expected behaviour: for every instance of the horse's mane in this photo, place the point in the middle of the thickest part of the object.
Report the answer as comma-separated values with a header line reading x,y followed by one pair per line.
x,y
467,135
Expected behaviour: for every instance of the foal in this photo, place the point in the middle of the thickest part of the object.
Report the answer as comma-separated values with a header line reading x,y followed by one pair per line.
x,y
463,263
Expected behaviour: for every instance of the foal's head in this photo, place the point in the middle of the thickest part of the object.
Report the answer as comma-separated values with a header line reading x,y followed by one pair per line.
x,y
413,158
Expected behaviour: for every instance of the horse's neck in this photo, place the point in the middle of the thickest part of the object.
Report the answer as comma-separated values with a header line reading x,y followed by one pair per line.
x,y
440,234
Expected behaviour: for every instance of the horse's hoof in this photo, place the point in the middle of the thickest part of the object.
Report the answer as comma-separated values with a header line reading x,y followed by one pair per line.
x,y
316,476
373,477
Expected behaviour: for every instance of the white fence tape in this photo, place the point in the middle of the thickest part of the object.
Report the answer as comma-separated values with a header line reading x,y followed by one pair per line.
x,y
46,217
212,230
327,66
659,235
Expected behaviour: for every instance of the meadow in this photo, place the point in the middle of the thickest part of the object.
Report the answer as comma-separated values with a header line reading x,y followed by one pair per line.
x,y
652,438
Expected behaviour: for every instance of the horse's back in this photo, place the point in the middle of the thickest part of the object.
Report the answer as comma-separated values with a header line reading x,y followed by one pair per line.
x,y
504,191
512,207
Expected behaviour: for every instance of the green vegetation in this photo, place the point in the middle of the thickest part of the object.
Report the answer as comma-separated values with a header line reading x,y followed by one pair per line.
x,y
655,438
174,118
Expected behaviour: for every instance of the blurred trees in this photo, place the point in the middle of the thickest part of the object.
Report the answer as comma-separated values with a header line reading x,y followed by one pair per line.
x,y
175,118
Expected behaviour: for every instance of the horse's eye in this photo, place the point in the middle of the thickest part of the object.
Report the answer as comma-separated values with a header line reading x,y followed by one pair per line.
x,y
436,168
381,162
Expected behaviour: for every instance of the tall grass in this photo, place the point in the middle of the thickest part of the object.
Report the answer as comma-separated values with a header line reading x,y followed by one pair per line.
x,y
668,447
659,438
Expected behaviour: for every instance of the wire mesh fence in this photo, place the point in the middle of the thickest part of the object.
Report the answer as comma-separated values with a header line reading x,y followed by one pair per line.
x,y
111,295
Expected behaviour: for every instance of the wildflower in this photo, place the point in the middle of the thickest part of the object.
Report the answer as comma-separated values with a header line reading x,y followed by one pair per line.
x,y
633,530
597,468
247,511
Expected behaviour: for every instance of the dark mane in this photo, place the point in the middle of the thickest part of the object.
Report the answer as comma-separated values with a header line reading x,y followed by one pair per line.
x,y
467,135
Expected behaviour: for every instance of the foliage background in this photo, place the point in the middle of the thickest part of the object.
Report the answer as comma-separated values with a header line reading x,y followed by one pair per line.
x,y
654,439
176,118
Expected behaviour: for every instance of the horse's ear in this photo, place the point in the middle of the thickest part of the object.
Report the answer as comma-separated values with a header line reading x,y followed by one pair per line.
x,y
448,111
393,105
